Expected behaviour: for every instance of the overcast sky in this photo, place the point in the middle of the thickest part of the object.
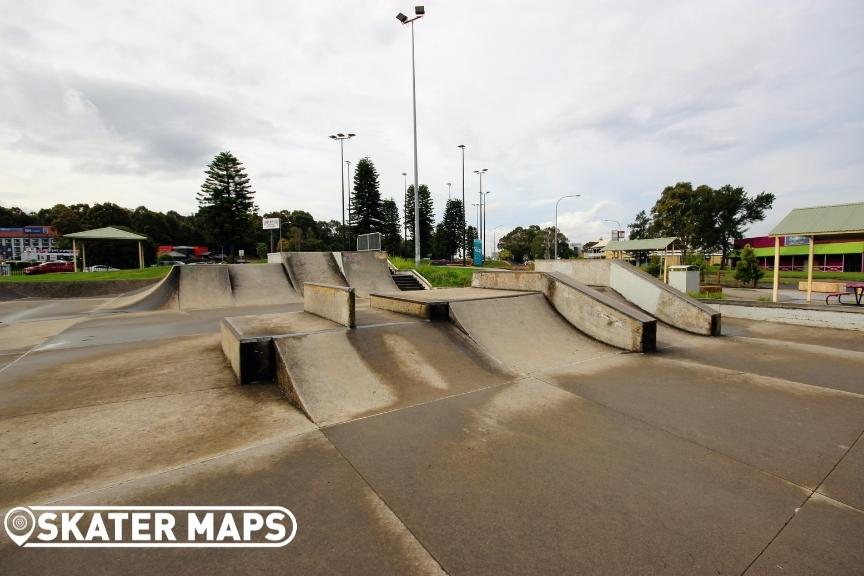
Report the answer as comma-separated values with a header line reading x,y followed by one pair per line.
x,y
128,101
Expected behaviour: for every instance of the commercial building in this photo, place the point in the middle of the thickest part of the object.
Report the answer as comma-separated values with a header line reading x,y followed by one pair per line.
x,y
14,242
830,253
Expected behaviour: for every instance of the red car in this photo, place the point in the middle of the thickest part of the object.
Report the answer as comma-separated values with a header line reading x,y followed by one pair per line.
x,y
46,267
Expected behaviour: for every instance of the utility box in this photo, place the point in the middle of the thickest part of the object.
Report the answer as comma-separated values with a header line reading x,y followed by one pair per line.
x,y
684,278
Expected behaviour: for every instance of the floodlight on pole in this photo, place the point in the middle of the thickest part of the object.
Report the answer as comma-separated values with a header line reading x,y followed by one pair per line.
x,y
480,228
555,237
464,217
341,138
419,12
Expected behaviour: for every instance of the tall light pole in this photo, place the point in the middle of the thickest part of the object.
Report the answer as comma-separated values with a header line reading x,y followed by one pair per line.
x,y
405,206
485,205
480,221
448,191
348,164
464,218
419,11
341,138
555,237
477,218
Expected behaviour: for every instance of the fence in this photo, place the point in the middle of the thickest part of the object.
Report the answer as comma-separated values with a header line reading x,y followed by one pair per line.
x,y
369,242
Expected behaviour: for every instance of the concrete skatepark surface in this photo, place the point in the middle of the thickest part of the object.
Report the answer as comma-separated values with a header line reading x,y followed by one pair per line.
x,y
504,443
367,272
318,267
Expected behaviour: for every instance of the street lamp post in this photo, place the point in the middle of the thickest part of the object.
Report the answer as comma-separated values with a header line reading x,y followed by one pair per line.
x,y
555,237
485,205
350,203
405,206
464,218
341,138
614,222
419,12
480,221
448,191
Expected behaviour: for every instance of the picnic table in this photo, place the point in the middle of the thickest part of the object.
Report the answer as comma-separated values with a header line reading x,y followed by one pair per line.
x,y
856,288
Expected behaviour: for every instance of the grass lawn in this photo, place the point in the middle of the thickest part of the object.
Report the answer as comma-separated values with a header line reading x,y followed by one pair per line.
x,y
438,276
134,274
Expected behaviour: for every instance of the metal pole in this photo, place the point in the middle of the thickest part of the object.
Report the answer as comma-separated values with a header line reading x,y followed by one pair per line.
x,y
416,176
555,238
348,164
448,191
405,206
485,205
464,217
342,178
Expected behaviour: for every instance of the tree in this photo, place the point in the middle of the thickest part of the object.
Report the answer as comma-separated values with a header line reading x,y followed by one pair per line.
x,y
674,214
640,226
748,270
534,243
366,214
226,202
391,239
427,219
452,229
733,211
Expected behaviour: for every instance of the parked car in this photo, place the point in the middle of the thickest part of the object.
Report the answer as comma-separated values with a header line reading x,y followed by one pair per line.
x,y
171,263
48,267
102,268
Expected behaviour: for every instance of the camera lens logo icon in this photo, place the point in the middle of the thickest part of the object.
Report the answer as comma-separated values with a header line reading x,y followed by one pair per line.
x,y
19,524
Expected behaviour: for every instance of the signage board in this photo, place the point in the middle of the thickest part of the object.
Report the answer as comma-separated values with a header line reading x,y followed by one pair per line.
x,y
270,223
796,240
478,252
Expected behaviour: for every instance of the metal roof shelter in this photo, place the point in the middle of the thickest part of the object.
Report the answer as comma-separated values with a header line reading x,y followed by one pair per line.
x,y
107,233
835,220
641,244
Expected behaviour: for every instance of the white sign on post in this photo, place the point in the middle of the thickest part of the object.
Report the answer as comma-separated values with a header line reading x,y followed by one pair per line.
x,y
270,223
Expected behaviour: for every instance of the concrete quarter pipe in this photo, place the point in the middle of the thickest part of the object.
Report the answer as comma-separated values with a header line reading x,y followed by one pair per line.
x,y
368,272
320,267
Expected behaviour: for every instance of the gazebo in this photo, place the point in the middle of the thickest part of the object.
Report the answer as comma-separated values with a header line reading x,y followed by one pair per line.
x,y
108,233
643,245
836,222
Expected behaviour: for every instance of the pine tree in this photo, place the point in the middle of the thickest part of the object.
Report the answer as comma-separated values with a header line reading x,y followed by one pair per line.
x,y
452,221
391,238
366,215
427,218
226,202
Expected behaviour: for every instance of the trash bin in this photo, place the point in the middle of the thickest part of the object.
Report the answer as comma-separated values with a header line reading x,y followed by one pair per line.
x,y
684,278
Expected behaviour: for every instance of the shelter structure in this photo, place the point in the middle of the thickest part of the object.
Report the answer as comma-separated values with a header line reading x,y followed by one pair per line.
x,y
107,233
836,223
660,246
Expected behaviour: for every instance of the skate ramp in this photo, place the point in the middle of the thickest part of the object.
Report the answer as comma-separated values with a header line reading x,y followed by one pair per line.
x,y
336,376
367,272
641,289
261,285
524,332
204,287
318,267
160,296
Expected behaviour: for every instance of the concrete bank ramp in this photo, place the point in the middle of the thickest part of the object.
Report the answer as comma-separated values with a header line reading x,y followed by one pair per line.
x,y
261,285
643,290
367,272
524,332
336,376
160,296
318,267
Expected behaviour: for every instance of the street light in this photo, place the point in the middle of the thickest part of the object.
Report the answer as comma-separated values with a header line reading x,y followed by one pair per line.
x,y
480,225
614,222
448,191
464,218
419,12
405,206
555,237
341,138
485,205
348,163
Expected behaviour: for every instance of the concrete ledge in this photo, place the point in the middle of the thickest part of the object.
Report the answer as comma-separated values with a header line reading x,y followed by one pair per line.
x,y
332,302
662,301
251,358
600,316
428,310
593,272
838,316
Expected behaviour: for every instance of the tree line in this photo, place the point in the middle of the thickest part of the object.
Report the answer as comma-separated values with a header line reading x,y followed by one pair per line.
x,y
703,218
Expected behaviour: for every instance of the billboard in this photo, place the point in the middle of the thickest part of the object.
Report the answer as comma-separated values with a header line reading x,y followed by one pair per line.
x,y
270,223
